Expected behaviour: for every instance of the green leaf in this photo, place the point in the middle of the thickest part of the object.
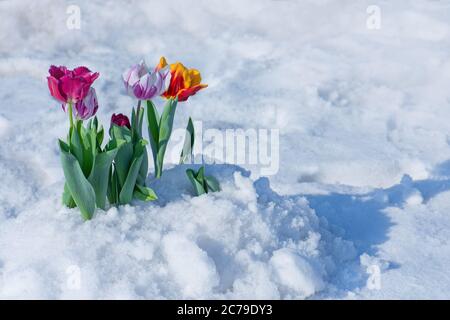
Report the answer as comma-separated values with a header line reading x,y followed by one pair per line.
x,y
89,140
113,187
76,145
100,175
95,123
144,169
83,145
165,130
133,119
140,117
100,136
200,176
67,197
117,132
63,146
123,161
126,193
166,122
81,190
198,188
212,184
202,184
137,129
144,194
137,119
188,142
153,128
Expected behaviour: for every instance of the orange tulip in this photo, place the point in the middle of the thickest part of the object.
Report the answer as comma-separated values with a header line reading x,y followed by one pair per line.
x,y
184,82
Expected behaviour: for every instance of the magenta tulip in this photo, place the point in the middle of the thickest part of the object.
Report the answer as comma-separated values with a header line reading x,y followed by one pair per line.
x,y
70,86
142,84
120,120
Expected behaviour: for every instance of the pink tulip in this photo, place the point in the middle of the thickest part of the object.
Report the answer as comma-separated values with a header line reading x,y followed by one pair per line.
x,y
120,120
70,85
143,84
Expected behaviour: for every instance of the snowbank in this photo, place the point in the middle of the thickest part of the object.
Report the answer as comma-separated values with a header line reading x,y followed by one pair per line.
x,y
232,244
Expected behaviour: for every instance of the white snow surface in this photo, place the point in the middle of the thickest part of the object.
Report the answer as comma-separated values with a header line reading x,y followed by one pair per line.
x,y
360,207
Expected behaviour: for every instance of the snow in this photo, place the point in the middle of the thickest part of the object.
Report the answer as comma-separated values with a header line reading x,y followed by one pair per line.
x,y
222,245
359,208
295,273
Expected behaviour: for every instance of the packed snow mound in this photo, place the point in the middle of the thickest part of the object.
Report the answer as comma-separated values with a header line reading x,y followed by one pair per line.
x,y
237,243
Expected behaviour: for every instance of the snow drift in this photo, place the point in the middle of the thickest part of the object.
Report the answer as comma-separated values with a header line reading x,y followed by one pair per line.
x,y
238,243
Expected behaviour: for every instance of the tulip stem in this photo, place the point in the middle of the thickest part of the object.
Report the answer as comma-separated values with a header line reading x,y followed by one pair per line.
x,y
138,108
70,114
138,121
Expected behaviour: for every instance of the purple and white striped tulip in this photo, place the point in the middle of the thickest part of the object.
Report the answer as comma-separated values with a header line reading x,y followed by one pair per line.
x,y
86,108
143,84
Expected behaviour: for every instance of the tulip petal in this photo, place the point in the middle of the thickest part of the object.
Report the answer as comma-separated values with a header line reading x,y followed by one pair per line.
x,y
53,86
162,63
93,77
166,76
80,71
176,84
195,76
142,69
120,120
132,75
75,88
57,72
184,94
86,74
146,88
86,108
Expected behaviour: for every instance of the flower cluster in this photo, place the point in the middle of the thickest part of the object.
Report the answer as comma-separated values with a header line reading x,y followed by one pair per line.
x,y
116,172
73,87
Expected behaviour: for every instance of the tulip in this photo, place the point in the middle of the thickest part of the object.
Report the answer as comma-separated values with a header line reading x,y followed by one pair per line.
x,y
120,120
184,82
70,86
86,108
142,84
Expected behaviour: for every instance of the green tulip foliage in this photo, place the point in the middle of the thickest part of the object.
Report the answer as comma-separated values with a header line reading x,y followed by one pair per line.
x,y
129,171
202,184
159,131
188,147
97,176
86,167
